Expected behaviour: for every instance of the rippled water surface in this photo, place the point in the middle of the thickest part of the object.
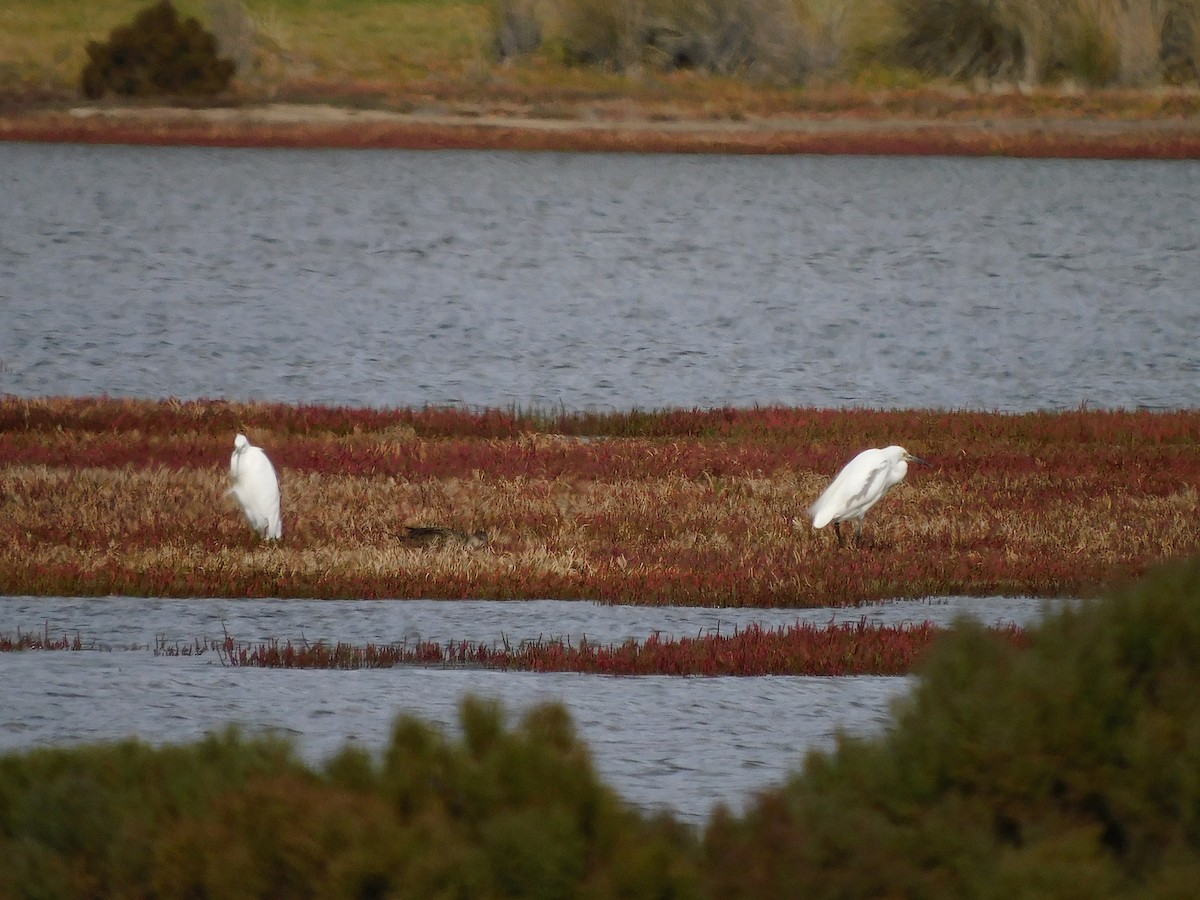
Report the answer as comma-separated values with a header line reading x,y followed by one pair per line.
x,y
597,281
682,744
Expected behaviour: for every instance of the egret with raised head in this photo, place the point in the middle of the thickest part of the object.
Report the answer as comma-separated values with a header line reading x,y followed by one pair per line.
x,y
860,485
256,488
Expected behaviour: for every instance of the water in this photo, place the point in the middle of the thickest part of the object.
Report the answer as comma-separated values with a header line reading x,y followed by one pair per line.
x,y
679,744
559,281
125,622
597,281
682,744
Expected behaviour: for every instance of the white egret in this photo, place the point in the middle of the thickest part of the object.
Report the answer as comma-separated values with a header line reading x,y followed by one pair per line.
x,y
255,488
859,486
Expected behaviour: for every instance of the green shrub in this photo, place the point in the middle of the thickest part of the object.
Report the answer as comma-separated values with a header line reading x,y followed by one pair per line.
x,y
501,813
1068,769
156,55
86,821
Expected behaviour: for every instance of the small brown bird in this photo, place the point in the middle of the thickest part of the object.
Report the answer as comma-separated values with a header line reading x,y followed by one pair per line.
x,y
431,535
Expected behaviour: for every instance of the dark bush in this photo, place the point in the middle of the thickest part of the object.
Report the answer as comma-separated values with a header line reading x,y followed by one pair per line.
x,y
156,55
501,813
1068,769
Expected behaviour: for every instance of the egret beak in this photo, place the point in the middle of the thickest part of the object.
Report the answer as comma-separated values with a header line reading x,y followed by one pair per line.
x,y
917,459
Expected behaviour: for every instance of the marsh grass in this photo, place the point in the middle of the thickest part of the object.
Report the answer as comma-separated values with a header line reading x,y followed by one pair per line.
x,y
697,508
31,641
658,60
800,649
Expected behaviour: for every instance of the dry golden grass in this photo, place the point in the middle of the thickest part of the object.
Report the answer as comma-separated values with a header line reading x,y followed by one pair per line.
x,y
90,504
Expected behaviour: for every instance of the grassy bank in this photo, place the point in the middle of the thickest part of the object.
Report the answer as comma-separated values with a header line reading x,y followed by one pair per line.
x,y
1072,79
612,59
678,507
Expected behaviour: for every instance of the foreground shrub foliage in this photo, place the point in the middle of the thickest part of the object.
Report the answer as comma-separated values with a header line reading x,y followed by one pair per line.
x,y
127,497
498,813
1065,767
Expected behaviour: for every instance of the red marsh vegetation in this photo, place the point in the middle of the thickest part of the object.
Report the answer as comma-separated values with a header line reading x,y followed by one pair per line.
x,y
28,640
799,649
700,507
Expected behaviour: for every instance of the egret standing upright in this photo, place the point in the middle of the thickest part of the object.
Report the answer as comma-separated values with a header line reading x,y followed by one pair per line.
x,y
256,488
859,486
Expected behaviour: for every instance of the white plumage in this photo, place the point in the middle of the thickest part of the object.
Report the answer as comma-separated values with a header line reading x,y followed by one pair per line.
x,y
860,485
256,488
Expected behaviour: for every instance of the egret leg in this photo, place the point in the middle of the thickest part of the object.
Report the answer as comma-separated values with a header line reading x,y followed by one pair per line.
x,y
858,538
837,529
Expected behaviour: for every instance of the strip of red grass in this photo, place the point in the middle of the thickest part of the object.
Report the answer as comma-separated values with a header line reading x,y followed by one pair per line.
x,y
800,649
29,641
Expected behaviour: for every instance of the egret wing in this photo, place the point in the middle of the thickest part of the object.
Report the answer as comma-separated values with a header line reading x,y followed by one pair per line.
x,y
257,490
856,489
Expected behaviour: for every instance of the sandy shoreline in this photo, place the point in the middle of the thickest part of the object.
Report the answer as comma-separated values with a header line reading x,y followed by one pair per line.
x,y
317,125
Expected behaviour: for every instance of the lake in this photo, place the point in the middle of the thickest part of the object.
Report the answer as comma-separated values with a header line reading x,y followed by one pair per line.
x,y
597,282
